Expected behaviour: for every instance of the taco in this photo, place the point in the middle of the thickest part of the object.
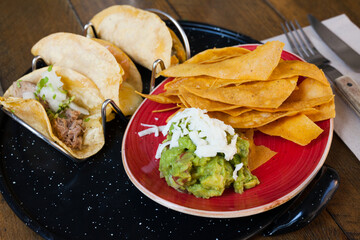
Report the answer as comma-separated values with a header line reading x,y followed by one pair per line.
x,y
139,33
103,63
63,105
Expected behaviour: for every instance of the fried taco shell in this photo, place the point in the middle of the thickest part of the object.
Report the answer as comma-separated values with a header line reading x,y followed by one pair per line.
x,y
84,56
128,99
141,34
77,127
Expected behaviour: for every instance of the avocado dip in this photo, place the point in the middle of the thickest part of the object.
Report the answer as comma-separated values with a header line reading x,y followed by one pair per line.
x,y
203,156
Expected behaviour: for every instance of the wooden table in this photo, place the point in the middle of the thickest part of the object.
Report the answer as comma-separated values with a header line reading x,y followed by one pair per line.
x,y
24,22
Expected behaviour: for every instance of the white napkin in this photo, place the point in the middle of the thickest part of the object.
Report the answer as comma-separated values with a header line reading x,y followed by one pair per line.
x,y
347,123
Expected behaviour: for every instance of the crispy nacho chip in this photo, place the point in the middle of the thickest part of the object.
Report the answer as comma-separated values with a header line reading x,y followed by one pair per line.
x,y
217,55
161,98
255,119
237,111
258,154
255,65
298,129
203,103
269,94
310,88
203,82
324,111
166,109
288,69
290,105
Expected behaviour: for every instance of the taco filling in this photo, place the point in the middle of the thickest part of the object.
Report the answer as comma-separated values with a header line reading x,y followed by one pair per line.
x,y
65,116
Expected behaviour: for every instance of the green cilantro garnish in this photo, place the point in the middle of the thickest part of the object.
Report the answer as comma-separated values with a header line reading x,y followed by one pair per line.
x,y
43,97
40,85
65,104
36,96
62,90
43,82
86,119
18,83
50,68
12,110
54,96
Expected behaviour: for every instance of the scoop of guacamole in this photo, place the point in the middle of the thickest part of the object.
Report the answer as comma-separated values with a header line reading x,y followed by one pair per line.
x,y
205,177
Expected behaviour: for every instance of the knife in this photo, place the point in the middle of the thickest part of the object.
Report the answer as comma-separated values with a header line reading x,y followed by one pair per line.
x,y
344,51
344,85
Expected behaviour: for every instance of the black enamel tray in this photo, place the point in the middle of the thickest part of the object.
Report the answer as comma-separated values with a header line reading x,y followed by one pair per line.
x,y
60,199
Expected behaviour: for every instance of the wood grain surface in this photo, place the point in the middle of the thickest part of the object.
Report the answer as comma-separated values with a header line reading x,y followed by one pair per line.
x,y
25,22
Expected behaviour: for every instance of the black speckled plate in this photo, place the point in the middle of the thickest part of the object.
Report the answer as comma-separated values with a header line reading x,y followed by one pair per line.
x,y
60,199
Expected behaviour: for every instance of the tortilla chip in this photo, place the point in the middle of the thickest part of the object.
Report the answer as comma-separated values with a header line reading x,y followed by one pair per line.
x,y
269,94
166,109
298,129
141,34
161,98
325,111
237,111
258,154
203,82
290,105
183,101
85,56
310,88
255,65
293,68
203,103
255,119
86,94
217,54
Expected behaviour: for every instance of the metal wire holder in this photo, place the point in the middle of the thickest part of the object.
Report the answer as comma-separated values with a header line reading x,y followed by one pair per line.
x,y
51,142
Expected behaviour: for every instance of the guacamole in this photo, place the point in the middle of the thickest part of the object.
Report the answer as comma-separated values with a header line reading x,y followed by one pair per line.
x,y
204,177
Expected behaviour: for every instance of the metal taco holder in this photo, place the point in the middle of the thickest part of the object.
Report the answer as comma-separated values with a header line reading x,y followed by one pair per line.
x,y
51,142
158,61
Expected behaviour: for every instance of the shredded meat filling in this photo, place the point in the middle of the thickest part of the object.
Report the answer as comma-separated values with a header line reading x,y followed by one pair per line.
x,y
20,87
69,129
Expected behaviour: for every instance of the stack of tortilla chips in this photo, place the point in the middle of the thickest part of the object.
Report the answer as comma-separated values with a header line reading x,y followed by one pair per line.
x,y
253,90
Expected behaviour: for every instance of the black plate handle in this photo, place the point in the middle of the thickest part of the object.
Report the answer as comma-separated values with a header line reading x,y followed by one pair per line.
x,y
305,208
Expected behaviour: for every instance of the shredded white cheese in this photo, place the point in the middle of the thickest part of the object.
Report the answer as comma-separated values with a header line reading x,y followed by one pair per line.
x,y
152,129
208,134
237,168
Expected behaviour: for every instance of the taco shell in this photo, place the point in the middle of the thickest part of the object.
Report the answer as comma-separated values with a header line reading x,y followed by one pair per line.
x,y
87,96
84,56
141,34
128,99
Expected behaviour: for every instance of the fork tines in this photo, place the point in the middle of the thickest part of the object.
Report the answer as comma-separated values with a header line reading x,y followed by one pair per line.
x,y
298,40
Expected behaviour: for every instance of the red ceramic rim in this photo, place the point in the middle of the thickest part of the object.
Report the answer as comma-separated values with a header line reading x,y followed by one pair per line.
x,y
282,177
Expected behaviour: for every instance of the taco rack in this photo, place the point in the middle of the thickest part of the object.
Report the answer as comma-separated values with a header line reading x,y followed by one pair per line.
x,y
37,59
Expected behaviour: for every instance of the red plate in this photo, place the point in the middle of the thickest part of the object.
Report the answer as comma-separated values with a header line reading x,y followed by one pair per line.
x,y
281,178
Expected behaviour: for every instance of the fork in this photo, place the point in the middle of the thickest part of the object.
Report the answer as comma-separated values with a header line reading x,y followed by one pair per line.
x,y
302,46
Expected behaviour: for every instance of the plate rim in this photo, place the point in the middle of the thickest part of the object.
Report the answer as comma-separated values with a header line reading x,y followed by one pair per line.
x,y
232,213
